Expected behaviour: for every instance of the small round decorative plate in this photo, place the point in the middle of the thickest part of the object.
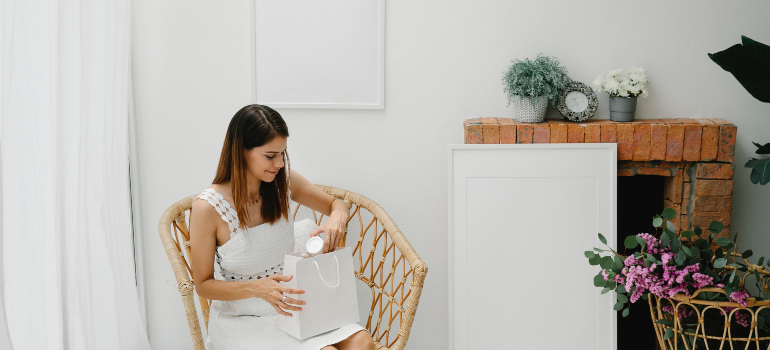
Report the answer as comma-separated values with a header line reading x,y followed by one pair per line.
x,y
577,102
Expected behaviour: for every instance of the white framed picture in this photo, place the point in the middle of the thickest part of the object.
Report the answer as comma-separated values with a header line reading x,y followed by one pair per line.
x,y
319,54
520,218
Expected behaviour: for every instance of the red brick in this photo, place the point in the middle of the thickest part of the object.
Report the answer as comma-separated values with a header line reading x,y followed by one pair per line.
x,y
705,187
491,130
709,141
642,142
507,130
473,131
626,172
712,203
692,139
625,141
715,171
593,133
726,150
658,134
688,173
704,219
678,208
524,132
685,222
674,143
672,187
558,131
575,133
671,121
542,133
653,171
609,133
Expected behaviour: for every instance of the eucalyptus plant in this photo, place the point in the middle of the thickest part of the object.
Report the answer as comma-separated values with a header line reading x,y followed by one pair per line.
x,y
543,76
749,62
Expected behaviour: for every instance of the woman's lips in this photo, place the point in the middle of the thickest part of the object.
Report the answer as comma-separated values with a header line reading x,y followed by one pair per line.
x,y
273,172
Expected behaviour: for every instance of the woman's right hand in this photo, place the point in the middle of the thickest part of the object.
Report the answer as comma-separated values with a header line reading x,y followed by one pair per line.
x,y
272,291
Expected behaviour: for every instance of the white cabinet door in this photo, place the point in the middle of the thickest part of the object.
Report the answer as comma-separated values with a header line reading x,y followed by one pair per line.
x,y
520,218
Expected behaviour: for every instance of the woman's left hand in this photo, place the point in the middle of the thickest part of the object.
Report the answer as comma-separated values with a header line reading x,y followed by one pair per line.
x,y
334,229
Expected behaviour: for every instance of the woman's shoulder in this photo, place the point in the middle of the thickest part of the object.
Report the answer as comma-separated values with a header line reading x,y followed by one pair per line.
x,y
210,199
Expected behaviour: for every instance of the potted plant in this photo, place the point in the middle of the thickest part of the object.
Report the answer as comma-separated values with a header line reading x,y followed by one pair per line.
x,y
749,63
530,84
697,285
623,92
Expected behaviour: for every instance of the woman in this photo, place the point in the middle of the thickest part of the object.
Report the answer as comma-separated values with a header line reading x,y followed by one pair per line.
x,y
243,222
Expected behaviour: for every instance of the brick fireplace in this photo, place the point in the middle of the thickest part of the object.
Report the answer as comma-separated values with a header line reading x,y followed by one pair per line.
x,y
695,155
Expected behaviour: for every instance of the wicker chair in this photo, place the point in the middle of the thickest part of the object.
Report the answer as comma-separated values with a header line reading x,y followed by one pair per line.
x,y
385,262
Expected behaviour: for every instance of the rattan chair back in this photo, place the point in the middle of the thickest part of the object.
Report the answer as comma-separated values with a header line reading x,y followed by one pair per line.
x,y
383,260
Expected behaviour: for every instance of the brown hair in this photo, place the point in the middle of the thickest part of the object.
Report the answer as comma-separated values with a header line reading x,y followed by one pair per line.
x,y
254,126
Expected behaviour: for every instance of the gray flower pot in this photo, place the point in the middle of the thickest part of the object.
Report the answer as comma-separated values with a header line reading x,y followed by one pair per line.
x,y
530,109
622,109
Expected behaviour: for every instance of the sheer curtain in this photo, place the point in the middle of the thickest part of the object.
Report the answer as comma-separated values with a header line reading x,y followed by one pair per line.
x,y
68,258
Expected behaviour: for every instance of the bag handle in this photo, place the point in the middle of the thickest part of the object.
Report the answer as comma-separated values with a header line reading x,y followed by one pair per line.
x,y
322,277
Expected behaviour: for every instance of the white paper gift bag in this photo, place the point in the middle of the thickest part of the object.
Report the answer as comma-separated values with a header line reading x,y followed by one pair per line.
x,y
330,293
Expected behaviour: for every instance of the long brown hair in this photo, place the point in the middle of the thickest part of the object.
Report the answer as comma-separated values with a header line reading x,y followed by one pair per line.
x,y
254,126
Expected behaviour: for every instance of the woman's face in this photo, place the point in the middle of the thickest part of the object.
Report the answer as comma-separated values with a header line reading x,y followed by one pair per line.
x,y
264,162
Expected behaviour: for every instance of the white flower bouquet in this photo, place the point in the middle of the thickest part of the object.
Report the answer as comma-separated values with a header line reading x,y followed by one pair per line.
x,y
633,85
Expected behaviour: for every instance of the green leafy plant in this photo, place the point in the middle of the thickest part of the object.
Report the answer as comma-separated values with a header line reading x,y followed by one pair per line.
x,y
694,263
543,76
749,62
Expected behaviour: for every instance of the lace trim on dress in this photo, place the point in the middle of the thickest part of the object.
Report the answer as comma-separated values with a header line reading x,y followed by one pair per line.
x,y
227,213
229,276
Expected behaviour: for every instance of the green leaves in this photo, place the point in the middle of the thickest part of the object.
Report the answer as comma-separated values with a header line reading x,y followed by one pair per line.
x,y
749,63
618,306
622,298
599,280
641,241
589,254
601,238
665,322
720,263
716,227
675,245
657,222
687,234
630,242
760,170
668,214
606,263
723,242
680,258
747,254
625,312
669,333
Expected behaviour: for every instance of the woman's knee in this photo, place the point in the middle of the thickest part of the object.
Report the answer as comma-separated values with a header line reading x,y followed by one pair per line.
x,y
360,340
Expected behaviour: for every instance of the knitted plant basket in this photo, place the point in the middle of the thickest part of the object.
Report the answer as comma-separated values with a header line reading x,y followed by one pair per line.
x,y
530,109
685,323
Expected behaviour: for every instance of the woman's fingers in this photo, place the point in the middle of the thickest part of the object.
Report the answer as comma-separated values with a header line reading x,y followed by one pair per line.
x,y
317,231
286,306
280,311
294,301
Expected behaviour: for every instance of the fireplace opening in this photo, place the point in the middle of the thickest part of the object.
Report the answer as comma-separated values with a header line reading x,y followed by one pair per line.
x,y
640,197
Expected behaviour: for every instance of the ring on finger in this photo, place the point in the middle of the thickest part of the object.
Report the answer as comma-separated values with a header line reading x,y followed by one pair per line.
x,y
284,299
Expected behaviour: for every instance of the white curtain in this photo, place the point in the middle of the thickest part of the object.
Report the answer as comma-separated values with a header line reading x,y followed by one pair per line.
x,y
68,253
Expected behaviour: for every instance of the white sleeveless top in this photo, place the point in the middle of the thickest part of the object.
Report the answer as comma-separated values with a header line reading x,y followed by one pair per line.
x,y
255,253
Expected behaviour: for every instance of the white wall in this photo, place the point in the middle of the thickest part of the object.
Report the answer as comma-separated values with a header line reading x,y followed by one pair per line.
x,y
443,63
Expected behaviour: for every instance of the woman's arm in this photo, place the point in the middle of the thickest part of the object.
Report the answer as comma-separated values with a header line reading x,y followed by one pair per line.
x,y
203,241
305,193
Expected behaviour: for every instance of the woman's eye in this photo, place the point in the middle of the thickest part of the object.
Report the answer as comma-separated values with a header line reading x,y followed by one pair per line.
x,y
270,157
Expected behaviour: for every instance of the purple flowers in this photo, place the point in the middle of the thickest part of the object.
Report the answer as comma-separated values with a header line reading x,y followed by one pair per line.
x,y
663,277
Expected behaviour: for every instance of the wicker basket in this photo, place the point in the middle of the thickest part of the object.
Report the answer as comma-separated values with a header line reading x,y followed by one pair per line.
x,y
383,258
530,109
711,324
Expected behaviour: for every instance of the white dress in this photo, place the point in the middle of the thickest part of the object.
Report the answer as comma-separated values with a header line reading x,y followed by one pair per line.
x,y
255,253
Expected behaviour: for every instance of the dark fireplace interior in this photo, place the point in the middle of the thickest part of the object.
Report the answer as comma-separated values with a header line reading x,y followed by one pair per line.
x,y
640,197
